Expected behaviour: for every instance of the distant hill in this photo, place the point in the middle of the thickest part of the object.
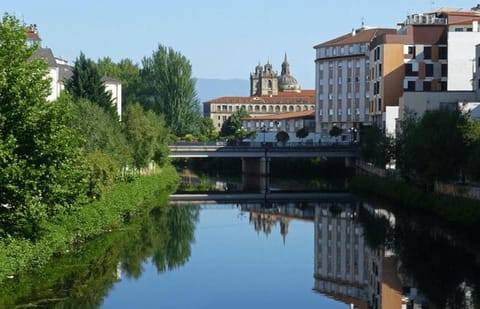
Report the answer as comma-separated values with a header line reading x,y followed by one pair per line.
x,y
208,89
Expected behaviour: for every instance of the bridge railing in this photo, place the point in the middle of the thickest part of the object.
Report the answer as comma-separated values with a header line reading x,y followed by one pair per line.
x,y
276,145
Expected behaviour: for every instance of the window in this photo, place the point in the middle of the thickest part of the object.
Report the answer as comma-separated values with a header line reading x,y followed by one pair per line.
x,y
443,86
330,112
411,50
376,54
409,85
349,111
444,69
339,112
427,86
429,69
427,52
442,52
411,69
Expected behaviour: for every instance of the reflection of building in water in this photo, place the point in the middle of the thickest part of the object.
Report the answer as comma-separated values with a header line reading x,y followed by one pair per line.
x,y
265,218
264,222
340,258
346,269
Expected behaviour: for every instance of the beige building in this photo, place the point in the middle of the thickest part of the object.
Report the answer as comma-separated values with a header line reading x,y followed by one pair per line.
x,y
269,94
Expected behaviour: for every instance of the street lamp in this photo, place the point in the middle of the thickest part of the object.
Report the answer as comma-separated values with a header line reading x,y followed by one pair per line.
x,y
264,130
353,132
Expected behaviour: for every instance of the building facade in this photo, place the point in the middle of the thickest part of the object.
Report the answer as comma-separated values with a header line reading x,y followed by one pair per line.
x,y
430,52
269,94
361,77
60,71
342,80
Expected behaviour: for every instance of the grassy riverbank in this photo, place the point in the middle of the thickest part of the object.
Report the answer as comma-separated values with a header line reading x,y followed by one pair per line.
x,y
450,209
114,210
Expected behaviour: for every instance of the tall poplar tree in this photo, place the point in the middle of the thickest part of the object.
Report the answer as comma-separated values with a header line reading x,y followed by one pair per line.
x,y
40,157
169,89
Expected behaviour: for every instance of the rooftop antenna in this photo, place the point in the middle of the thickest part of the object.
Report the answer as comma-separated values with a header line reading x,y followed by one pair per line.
x,y
363,22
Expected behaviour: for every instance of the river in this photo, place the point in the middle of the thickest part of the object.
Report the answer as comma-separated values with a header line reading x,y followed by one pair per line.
x,y
347,253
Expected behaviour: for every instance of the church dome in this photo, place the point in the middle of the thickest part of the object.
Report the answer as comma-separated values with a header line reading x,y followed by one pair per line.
x,y
287,82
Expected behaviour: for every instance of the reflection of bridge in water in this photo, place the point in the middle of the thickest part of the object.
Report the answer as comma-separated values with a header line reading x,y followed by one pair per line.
x,y
264,199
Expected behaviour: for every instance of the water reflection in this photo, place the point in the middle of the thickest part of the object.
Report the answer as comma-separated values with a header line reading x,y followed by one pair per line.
x,y
363,257
367,257
84,279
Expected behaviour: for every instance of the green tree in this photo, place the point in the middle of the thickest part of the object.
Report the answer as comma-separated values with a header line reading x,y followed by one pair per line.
x,y
471,137
207,128
233,125
169,89
376,147
86,83
127,72
40,156
335,132
146,134
99,130
434,147
282,137
301,133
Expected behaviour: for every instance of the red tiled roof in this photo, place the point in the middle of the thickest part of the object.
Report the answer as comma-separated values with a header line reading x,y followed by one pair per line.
x,y
361,36
283,116
305,96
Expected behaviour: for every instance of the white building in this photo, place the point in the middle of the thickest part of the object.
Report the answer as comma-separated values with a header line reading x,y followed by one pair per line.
x,y
114,87
342,79
60,71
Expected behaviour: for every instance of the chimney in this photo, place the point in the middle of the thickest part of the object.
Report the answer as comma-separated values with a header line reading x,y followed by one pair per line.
x,y
354,32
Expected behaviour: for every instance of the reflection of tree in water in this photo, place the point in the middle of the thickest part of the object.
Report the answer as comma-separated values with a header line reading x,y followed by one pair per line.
x,y
443,267
83,279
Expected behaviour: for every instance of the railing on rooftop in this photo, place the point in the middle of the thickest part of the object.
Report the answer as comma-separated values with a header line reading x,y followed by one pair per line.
x,y
425,19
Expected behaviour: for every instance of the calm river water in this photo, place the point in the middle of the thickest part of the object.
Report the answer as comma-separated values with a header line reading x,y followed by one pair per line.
x,y
279,254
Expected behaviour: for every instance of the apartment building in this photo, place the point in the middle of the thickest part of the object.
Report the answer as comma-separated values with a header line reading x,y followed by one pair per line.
x,y
427,63
342,80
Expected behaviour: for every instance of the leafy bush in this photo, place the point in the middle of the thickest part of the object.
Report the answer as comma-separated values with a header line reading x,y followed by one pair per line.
x,y
125,200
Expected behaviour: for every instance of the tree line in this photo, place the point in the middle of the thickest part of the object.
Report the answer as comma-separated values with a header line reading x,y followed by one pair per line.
x,y
441,145
57,156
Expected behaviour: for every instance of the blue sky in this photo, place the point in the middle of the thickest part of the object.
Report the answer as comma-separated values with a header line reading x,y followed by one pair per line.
x,y
222,38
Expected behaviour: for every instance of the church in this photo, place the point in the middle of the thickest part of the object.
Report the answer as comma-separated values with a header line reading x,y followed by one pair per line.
x,y
270,94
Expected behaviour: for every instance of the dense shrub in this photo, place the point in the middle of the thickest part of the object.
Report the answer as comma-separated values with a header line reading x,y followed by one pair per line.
x,y
113,210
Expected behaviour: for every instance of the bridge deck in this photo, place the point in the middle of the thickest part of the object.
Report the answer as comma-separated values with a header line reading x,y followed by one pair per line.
x,y
303,151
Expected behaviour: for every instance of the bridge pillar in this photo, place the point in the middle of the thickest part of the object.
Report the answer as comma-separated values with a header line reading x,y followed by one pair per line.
x,y
255,173
256,166
349,162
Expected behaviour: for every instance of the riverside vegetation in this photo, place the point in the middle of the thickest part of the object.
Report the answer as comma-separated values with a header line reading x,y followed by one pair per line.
x,y
71,169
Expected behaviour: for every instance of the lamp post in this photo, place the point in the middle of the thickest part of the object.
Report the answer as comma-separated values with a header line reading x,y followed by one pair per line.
x,y
264,130
353,132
